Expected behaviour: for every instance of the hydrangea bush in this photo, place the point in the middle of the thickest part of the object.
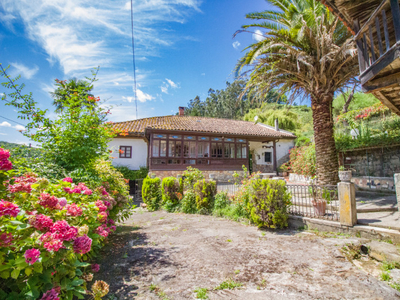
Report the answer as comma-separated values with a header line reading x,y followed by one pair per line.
x,y
49,232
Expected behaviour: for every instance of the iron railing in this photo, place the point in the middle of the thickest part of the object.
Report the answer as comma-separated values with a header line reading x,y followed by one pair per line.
x,y
229,187
135,189
314,201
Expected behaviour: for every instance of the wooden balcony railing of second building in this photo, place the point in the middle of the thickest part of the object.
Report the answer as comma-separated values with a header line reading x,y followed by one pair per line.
x,y
378,39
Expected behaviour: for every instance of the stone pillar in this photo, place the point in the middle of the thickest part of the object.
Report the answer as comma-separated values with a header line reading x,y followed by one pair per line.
x,y
397,186
347,204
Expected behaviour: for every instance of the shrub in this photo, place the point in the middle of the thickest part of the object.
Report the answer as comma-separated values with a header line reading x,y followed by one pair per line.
x,y
151,193
133,174
171,195
302,160
205,192
192,175
48,232
188,203
268,203
221,200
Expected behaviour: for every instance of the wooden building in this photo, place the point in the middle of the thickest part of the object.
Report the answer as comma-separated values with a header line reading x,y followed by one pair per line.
x,y
168,145
375,25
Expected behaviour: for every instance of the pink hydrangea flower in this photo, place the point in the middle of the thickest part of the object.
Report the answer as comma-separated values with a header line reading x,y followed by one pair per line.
x,y
53,245
68,179
106,203
95,268
8,209
74,210
48,201
68,190
111,221
103,191
31,256
5,164
61,230
100,231
113,228
76,191
82,244
87,192
101,205
27,178
20,187
102,217
50,295
62,201
5,239
42,222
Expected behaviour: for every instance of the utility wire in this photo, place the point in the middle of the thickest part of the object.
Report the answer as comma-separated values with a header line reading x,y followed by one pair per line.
x,y
12,121
133,59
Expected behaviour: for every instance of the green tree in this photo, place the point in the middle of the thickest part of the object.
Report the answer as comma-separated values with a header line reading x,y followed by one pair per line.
x,y
306,52
65,90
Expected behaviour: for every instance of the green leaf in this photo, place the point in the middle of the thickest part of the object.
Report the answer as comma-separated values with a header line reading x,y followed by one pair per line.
x,y
23,226
28,271
15,273
78,295
16,223
77,281
38,267
4,267
78,272
5,274
81,264
70,295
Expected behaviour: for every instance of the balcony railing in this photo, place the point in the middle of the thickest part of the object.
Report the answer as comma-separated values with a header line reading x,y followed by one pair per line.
x,y
378,35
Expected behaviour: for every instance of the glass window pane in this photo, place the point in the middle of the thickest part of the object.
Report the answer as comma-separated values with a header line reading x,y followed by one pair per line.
x,y
189,137
213,149
171,149
238,151
159,136
232,153
174,161
178,149
216,139
240,140
156,148
267,157
220,150
175,137
192,150
204,138
189,161
244,151
229,140
163,148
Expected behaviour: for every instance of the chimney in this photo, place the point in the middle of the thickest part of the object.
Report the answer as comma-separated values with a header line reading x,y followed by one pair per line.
x,y
181,111
276,124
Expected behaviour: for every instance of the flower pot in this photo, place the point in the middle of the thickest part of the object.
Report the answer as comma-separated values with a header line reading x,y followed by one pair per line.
x,y
285,174
319,207
345,176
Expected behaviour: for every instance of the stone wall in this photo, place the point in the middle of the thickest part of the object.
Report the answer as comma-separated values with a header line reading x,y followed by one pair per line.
x,y
374,183
215,175
376,162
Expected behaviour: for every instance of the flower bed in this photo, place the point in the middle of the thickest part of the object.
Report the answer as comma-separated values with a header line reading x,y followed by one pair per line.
x,y
48,233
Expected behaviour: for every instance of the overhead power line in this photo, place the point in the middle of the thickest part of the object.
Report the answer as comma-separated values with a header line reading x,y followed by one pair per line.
x,y
133,60
12,120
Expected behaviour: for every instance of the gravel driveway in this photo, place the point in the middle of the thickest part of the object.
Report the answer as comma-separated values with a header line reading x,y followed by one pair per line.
x,y
158,255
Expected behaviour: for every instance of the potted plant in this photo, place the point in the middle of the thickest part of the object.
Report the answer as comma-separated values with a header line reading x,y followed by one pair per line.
x,y
344,175
321,196
285,169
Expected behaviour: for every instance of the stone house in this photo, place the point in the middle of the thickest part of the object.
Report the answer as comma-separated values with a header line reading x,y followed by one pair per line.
x,y
168,145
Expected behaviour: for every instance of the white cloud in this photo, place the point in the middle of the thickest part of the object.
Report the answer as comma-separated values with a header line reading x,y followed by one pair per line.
x,y
203,74
5,124
24,70
258,35
3,133
19,127
236,44
169,84
143,97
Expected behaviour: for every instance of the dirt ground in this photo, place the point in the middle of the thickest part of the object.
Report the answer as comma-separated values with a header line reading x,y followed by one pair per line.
x,y
158,255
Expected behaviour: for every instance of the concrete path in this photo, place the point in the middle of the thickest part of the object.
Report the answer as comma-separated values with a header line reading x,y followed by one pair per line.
x,y
157,255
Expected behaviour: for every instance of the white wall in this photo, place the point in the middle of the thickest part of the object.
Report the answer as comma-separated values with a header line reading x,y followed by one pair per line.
x,y
139,152
282,149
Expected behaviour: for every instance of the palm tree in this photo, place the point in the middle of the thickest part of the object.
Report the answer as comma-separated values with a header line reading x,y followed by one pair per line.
x,y
66,88
305,52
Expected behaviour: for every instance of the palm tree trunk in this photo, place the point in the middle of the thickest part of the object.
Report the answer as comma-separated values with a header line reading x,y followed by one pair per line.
x,y
326,155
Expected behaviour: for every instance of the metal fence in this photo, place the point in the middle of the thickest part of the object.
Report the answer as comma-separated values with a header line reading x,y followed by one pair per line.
x,y
314,201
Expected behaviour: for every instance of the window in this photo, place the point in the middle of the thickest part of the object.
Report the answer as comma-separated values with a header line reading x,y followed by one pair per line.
x,y
216,150
229,150
203,150
189,149
267,157
175,148
125,151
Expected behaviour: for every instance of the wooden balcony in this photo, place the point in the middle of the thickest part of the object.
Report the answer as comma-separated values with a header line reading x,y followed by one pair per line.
x,y
378,43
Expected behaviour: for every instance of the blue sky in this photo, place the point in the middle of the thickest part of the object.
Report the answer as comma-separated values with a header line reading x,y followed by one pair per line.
x,y
183,48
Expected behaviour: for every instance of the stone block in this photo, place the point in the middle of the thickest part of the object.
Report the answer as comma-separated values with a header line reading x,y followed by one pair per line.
x,y
347,204
397,186
384,251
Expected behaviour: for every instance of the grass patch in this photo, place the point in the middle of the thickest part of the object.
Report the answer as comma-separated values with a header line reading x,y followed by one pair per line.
x,y
229,284
237,272
385,276
387,266
201,293
396,286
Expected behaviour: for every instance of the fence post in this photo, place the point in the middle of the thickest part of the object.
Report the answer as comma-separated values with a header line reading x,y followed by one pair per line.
x,y
347,203
397,185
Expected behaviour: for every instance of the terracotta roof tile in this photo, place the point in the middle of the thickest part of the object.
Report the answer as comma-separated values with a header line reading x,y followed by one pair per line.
x,y
201,124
